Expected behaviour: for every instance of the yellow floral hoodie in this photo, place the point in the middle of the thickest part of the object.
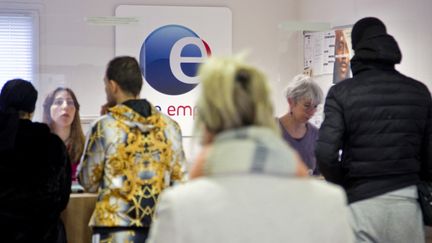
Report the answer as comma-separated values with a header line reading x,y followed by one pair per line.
x,y
131,155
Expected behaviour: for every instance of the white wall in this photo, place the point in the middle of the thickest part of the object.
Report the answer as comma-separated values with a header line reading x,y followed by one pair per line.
x,y
74,53
408,21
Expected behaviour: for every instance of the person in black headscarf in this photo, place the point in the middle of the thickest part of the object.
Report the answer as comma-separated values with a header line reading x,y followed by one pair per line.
x,y
381,121
35,171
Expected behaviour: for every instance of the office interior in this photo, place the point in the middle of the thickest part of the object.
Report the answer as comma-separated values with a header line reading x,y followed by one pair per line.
x,y
72,52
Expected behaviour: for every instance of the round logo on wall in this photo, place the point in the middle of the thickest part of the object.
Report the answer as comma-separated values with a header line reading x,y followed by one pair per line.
x,y
170,57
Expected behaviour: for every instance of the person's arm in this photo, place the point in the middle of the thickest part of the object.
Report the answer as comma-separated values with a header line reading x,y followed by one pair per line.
x,y
330,140
91,168
64,176
300,167
426,149
178,168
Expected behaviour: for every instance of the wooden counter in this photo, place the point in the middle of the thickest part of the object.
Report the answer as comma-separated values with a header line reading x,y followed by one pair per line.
x,y
77,215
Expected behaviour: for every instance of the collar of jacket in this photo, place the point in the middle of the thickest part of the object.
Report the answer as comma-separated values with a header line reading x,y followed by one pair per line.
x,y
250,150
360,66
378,52
132,118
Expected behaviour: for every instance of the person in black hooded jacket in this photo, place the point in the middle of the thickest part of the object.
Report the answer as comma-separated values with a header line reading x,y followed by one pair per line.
x,y
35,171
380,121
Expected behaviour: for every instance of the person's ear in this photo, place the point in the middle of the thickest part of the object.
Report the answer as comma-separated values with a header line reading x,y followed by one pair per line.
x,y
113,86
291,102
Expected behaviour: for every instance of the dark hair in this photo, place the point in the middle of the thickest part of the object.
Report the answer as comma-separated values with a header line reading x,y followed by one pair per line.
x,y
126,72
18,95
76,137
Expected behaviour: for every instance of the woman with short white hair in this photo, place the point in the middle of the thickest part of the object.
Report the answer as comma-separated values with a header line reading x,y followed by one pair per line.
x,y
303,96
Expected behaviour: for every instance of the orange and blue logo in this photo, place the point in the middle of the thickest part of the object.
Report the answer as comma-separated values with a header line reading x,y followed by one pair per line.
x,y
170,57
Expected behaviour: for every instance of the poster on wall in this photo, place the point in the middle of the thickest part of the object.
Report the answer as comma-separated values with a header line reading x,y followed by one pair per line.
x,y
319,52
342,55
170,43
328,52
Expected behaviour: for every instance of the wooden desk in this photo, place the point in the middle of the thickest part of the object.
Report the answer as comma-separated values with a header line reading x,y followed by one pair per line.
x,y
77,215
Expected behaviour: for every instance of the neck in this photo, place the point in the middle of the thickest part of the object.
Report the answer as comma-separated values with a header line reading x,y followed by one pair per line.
x,y
293,122
293,126
123,98
62,132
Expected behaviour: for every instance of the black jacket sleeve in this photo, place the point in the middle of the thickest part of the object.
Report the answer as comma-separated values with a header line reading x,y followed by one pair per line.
x,y
426,150
330,139
64,177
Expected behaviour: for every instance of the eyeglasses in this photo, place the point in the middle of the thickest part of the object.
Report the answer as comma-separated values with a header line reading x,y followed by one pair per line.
x,y
309,106
59,102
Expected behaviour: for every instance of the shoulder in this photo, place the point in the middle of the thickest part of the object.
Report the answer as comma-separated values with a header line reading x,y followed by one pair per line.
x,y
102,122
171,124
48,144
419,86
326,187
37,127
42,131
325,192
312,127
107,118
343,86
193,191
168,120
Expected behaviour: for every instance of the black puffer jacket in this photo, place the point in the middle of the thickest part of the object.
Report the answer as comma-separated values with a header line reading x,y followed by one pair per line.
x,y
34,183
380,120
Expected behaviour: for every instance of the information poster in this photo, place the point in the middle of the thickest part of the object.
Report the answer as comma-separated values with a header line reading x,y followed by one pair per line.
x,y
328,52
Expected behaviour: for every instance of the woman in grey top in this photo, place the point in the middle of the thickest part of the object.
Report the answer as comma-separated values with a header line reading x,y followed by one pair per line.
x,y
303,96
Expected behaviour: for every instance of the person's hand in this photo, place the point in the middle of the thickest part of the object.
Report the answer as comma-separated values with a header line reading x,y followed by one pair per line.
x,y
301,168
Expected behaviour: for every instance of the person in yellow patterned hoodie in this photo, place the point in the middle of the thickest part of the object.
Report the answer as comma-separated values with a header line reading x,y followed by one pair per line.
x,y
131,154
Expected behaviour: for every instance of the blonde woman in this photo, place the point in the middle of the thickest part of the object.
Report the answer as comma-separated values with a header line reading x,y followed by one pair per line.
x,y
61,113
249,186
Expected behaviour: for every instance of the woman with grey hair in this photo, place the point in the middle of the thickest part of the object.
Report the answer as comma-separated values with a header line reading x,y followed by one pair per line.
x,y
303,96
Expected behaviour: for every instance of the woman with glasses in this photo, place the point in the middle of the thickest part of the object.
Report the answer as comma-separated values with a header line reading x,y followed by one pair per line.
x,y
303,96
61,113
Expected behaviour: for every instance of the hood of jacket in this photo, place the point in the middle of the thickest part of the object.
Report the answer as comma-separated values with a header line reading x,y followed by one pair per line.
x,y
136,113
250,150
379,52
373,46
12,126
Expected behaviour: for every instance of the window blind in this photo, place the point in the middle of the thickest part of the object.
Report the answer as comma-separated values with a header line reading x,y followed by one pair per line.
x,y
16,47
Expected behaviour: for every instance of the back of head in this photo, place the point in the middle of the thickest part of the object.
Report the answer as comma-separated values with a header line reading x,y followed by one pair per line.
x,y
233,95
371,43
126,72
18,95
367,28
